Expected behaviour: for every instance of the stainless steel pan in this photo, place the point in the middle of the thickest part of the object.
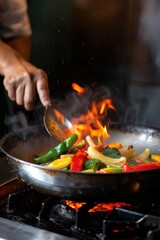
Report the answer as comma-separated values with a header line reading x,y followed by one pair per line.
x,y
22,145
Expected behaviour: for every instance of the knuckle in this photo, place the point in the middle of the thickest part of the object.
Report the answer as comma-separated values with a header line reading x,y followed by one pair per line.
x,y
17,79
42,74
25,75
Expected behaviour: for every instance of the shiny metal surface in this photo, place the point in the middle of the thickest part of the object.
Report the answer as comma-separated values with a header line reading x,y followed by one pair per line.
x,y
58,128
21,146
10,230
6,171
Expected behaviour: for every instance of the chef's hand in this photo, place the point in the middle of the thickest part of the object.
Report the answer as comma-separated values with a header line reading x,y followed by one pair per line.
x,y
22,80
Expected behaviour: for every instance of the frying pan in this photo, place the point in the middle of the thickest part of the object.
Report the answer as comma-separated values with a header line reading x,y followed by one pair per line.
x,y
22,145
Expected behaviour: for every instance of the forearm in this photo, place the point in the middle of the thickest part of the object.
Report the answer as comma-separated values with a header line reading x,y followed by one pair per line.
x,y
7,56
11,51
22,45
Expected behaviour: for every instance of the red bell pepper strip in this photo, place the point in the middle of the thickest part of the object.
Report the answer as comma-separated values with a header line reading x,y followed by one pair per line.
x,y
78,160
144,166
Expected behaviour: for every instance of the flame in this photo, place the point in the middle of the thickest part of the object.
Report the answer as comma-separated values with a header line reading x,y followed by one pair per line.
x,y
90,123
75,205
105,207
100,207
78,89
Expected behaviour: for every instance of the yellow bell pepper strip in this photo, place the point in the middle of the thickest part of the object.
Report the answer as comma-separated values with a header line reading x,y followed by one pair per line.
x,y
155,157
78,160
143,166
108,161
55,152
60,163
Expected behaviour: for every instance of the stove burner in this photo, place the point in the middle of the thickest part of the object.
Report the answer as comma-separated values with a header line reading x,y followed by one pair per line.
x,y
133,221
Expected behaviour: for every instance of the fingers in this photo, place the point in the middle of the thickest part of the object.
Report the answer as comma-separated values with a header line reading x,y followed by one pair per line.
x,y
29,95
42,88
10,88
22,88
12,93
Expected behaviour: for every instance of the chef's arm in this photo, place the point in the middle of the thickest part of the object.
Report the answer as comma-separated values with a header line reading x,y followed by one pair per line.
x,y
22,45
7,56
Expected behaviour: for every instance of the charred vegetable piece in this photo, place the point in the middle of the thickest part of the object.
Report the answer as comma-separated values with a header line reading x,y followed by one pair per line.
x,y
111,152
92,164
78,161
144,166
55,152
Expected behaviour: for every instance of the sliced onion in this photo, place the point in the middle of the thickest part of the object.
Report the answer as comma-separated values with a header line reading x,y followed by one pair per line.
x,y
112,162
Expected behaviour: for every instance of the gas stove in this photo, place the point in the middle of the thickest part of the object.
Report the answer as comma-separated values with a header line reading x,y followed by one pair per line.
x,y
29,214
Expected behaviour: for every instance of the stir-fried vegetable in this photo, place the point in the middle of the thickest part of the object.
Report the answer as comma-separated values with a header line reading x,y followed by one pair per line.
x,y
88,157
143,157
111,152
92,164
127,152
55,152
112,162
155,157
140,167
78,161
60,163
110,170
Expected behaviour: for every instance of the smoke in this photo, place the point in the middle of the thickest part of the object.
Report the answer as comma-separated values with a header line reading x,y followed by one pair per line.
x,y
73,105
150,27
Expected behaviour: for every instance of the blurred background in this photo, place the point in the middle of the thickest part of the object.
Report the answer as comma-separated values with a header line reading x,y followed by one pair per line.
x,y
112,44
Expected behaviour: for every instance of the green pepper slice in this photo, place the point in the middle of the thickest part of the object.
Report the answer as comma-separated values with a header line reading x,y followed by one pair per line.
x,y
55,152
